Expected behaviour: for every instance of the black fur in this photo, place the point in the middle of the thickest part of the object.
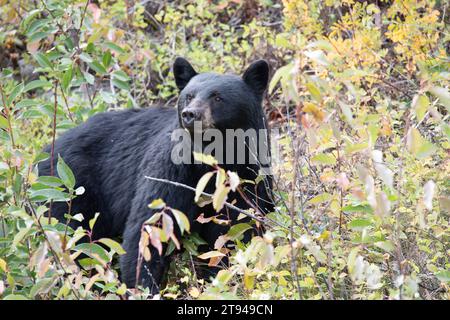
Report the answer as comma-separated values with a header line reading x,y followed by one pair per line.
x,y
112,152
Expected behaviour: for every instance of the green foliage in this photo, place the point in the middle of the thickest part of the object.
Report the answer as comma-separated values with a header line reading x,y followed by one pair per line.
x,y
360,91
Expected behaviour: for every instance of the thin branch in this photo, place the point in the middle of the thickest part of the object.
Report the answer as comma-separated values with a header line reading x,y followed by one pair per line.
x,y
264,220
52,151
84,14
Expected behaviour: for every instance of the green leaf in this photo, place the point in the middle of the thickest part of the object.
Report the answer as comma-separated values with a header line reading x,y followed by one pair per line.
x,y
113,245
42,286
387,245
359,224
323,158
15,297
93,220
29,18
120,75
26,103
94,251
97,67
358,208
43,61
38,36
237,230
106,59
355,147
19,236
444,275
86,57
108,97
3,122
65,173
89,77
114,47
50,181
49,194
281,73
36,84
67,78
420,104
14,93
121,84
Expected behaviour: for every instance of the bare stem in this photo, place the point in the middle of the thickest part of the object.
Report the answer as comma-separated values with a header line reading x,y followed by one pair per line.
x,y
264,220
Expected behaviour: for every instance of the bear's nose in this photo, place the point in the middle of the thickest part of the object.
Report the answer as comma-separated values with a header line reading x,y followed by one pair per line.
x,y
190,115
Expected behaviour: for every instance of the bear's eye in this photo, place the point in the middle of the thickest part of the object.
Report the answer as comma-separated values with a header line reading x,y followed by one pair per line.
x,y
189,98
217,98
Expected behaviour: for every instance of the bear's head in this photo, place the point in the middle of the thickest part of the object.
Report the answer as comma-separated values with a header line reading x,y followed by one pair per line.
x,y
220,101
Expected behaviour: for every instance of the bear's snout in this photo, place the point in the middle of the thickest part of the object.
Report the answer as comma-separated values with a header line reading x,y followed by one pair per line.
x,y
189,115
196,113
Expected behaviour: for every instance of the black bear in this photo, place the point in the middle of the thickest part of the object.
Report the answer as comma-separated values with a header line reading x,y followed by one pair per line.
x,y
112,152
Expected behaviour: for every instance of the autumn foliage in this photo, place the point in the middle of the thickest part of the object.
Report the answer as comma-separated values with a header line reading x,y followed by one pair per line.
x,y
359,97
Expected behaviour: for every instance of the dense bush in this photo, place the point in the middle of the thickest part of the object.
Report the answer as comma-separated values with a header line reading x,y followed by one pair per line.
x,y
360,98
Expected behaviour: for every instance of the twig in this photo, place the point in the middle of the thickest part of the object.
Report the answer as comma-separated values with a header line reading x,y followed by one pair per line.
x,y
84,14
291,227
229,205
52,151
66,103
264,220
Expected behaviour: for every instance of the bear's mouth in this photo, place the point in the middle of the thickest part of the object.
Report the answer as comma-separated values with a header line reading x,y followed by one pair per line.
x,y
198,126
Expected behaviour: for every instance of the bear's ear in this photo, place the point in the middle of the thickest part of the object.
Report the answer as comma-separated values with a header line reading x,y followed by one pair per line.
x,y
183,72
257,76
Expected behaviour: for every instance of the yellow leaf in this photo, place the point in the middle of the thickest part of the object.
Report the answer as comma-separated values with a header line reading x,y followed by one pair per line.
x,y
315,92
323,158
224,276
249,280
194,292
170,296
316,112
201,185
323,197
3,265
122,289
206,159
211,254
420,105
220,177
220,196
157,204
182,220
419,146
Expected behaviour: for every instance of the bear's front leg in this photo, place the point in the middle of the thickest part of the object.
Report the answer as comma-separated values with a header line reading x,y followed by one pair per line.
x,y
138,272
